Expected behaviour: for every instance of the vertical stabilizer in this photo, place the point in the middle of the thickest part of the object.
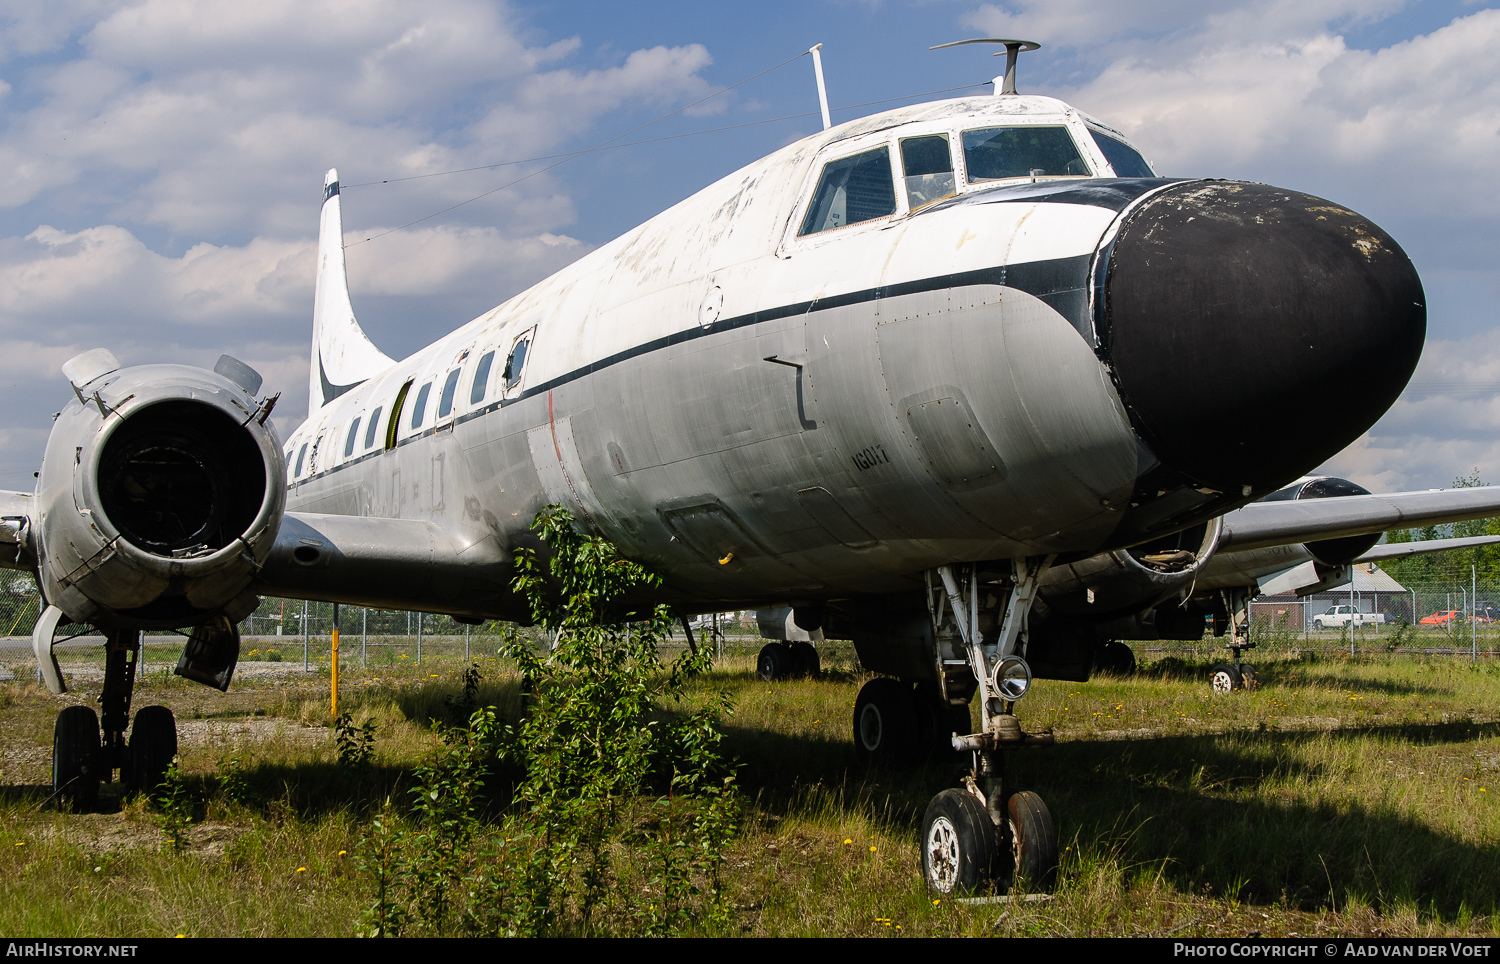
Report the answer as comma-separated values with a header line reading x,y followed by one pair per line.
x,y
342,355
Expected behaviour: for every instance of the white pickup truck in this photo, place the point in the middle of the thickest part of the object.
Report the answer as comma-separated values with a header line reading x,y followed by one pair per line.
x,y
1337,617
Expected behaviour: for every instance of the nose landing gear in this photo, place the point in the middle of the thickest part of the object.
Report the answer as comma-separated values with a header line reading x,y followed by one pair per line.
x,y
986,832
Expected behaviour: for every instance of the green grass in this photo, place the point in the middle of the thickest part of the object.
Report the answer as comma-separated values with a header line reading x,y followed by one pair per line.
x,y
1343,797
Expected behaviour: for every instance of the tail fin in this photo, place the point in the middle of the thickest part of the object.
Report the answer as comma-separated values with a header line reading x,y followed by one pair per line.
x,y
342,355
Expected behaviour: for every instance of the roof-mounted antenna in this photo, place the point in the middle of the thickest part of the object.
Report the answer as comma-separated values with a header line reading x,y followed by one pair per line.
x,y
822,91
1013,49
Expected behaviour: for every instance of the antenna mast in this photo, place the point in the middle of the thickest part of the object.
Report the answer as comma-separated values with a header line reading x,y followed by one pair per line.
x,y
1005,84
822,91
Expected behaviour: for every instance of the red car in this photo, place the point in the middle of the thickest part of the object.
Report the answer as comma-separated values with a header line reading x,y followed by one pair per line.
x,y
1442,618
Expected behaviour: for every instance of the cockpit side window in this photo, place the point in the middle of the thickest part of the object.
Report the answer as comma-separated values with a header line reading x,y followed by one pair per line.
x,y
996,153
1126,161
419,410
927,168
851,190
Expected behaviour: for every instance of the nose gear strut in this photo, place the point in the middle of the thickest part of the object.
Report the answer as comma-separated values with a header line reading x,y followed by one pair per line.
x,y
1018,840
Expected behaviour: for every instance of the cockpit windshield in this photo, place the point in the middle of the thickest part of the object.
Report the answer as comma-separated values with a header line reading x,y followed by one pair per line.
x,y
996,153
928,169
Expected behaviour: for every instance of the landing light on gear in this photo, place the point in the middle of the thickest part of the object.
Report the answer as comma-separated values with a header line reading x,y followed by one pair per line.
x,y
1012,678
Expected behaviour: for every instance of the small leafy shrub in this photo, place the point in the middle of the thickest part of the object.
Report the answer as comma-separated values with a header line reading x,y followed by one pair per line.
x,y
174,807
623,803
355,743
233,784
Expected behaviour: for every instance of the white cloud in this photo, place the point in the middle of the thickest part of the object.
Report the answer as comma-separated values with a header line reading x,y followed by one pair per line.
x,y
212,119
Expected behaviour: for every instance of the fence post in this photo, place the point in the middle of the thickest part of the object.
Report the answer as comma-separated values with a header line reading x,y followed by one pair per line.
x,y
305,631
419,636
364,631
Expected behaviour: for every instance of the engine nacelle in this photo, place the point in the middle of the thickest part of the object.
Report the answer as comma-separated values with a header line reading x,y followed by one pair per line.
x,y
1331,553
160,494
1127,581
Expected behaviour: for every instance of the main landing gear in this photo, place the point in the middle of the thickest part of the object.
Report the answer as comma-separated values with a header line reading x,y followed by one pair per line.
x,y
86,753
984,832
787,661
1237,674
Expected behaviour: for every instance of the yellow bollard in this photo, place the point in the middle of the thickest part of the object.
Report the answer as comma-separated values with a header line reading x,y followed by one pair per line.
x,y
335,672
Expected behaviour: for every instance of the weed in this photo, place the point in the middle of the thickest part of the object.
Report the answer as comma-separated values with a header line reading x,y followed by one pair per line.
x,y
355,742
174,807
233,785
589,746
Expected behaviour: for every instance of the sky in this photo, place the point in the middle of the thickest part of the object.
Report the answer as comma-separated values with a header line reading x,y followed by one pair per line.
x,y
161,163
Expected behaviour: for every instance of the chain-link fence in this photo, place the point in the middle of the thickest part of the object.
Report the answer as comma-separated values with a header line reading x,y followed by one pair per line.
x,y
296,631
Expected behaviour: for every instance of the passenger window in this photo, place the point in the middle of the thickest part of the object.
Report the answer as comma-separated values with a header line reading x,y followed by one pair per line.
x,y
353,434
450,388
481,378
374,424
996,153
419,410
514,364
851,190
300,456
927,167
1121,156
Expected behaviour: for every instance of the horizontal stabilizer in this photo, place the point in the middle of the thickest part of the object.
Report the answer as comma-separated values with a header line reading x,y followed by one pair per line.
x,y
1262,524
17,516
1400,550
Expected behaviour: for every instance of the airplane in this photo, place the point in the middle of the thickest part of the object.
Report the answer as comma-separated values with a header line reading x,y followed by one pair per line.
x,y
928,378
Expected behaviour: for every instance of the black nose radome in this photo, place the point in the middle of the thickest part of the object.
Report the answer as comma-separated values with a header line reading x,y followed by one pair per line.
x,y
1254,332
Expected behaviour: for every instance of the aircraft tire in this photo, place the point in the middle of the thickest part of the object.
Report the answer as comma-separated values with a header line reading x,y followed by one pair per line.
x,y
75,758
1032,840
1117,658
885,722
774,662
1248,679
959,844
805,662
1225,678
153,744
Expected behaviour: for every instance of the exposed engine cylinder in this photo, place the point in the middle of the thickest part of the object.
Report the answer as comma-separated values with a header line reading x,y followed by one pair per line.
x,y
160,495
1113,584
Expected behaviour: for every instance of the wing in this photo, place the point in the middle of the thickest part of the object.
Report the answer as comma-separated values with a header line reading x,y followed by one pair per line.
x,y
1263,524
388,564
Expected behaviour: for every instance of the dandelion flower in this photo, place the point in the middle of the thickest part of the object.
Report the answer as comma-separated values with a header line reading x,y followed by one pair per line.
x,y
872,850
301,870
846,841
